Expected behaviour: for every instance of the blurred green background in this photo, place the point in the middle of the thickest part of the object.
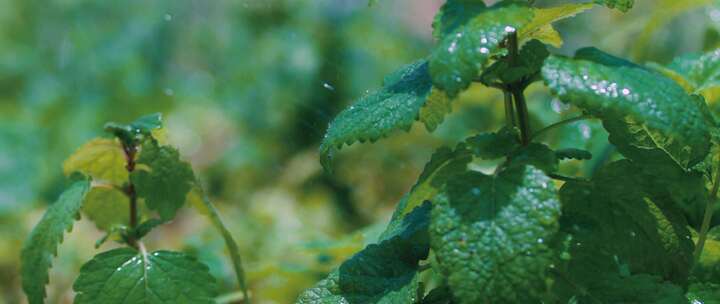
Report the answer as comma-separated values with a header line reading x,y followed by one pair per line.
x,y
247,89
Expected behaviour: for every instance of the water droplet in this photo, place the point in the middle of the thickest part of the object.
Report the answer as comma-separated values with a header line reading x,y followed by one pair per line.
x,y
475,191
118,269
328,86
626,91
484,50
559,106
509,29
453,47
458,79
585,77
483,40
168,17
633,234
169,92
585,130
540,241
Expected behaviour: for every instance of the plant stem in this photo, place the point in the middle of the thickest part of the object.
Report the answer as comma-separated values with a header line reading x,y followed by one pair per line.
x,y
558,124
130,151
509,109
516,89
709,208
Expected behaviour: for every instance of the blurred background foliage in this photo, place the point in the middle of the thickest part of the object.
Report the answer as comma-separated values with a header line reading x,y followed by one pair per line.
x,y
247,89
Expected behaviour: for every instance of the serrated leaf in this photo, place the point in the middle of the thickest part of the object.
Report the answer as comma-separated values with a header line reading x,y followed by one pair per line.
x,y
699,73
538,155
608,87
394,107
494,145
619,226
571,153
489,234
101,158
167,181
126,275
463,53
621,5
540,27
453,14
40,247
108,208
443,165
383,273
436,107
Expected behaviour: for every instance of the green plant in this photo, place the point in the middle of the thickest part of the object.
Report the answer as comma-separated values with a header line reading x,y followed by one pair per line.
x,y
120,183
526,232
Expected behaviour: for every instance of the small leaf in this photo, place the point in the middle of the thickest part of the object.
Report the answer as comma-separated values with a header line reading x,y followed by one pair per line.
x,y
462,54
453,14
436,107
540,27
125,275
136,130
571,153
41,245
145,227
383,273
621,5
394,107
526,69
167,182
698,73
108,208
608,87
101,158
494,145
538,155
490,234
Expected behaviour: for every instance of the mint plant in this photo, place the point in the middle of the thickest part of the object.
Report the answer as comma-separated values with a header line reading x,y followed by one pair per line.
x,y
127,185
528,232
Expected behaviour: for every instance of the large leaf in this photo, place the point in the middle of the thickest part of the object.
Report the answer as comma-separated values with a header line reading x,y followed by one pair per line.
x,y
490,234
41,245
700,73
165,181
619,229
463,53
394,107
453,14
107,207
101,158
383,273
610,88
126,275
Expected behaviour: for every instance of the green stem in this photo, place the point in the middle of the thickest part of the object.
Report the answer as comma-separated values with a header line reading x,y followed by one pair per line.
x,y
558,124
523,116
509,109
130,151
709,208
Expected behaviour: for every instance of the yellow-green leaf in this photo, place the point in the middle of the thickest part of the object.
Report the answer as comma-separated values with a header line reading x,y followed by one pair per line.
x,y
101,158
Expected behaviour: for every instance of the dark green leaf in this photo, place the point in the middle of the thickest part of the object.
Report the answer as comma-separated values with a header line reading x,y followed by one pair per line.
x,y
145,227
166,182
525,70
136,130
383,273
490,234
394,107
538,155
462,54
611,90
704,293
41,245
126,275
494,145
453,14
571,153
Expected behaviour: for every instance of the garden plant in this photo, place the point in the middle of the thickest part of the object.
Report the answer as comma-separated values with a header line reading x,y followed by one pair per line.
x,y
496,218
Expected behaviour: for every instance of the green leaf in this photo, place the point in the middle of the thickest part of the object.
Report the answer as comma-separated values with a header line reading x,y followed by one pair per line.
x,y
540,27
494,145
463,53
383,273
490,234
136,130
708,266
166,181
699,72
436,107
538,155
635,289
444,164
526,69
101,158
621,5
394,107
620,227
453,14
107,207
41,245
126,275
609,88
571,153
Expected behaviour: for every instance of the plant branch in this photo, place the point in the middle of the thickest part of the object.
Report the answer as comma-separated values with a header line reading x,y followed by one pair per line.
x,y
130,152
709,208
516,89
559,124
509,109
